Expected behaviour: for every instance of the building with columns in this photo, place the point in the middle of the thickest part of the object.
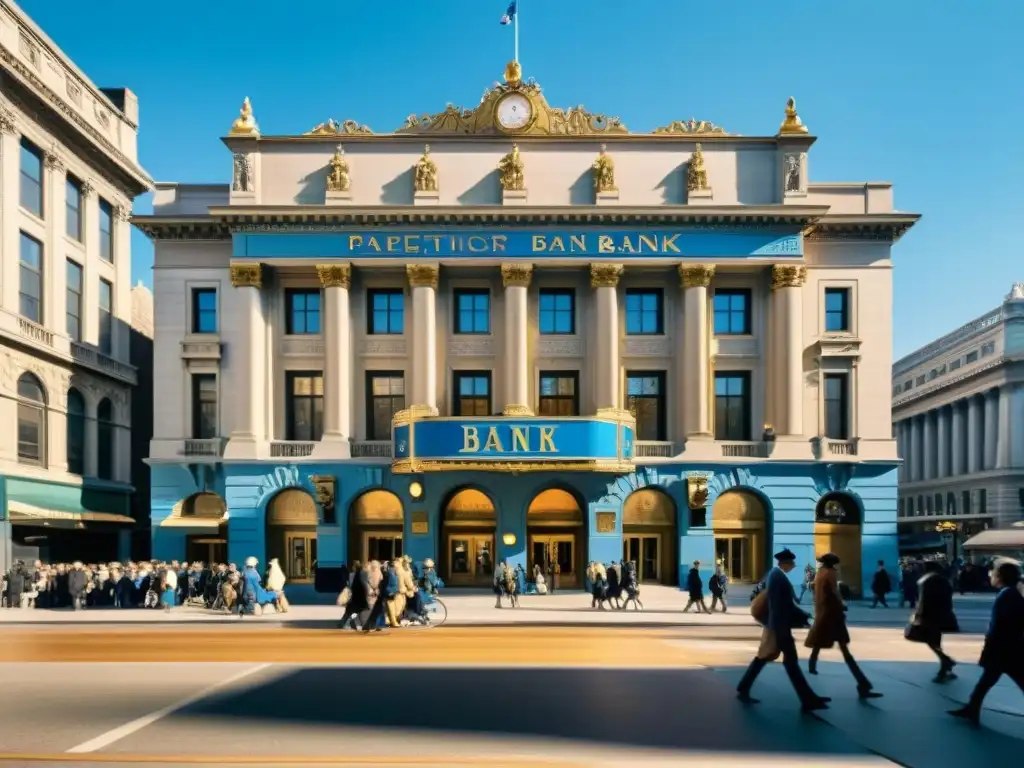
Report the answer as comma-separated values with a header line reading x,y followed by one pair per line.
x,y
958,414
523,333
68,174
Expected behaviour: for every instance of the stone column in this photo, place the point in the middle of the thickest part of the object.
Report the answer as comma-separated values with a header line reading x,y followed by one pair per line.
x,y
90,272
974,427
787,318
930,446
55,272
423,280
122,298
1004,429
336,280
917,448
696,349
942,416
9,215
516,279
991,428
245,327
92,435
604,279
957,437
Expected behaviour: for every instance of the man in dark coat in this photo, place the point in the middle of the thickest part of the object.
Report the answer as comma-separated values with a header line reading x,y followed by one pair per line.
x,y
695,587
76,585
881,585
718,584
15,584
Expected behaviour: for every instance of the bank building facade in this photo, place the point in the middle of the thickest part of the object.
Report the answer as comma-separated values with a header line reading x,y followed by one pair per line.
x,y
525,333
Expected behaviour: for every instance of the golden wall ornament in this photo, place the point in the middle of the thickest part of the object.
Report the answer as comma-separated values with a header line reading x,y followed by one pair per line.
x,y
335,275
516,275
792,125
690,126
425,179
697,491
605,275
422,275
696,275
245,123
247,275
788,276
512,171
338,178
324,489
696,173
333,128
604,172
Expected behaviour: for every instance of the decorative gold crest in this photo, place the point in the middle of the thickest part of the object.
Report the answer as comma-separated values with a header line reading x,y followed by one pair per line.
x,y
792,125
512,171
323,486
333,128
696,173
425,179
604,171
697,491
690,126
338,178
245,123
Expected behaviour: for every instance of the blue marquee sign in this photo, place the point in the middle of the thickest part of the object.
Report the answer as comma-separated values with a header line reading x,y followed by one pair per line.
x,y
504,243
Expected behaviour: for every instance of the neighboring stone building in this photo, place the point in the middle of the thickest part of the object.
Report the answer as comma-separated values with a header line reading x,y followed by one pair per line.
x,y
524,333
68,174
142,416
958,413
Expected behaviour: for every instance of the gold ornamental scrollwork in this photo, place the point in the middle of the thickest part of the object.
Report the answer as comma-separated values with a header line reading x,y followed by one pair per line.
x,y
335,275
422,275
517,411
512,172
689,127
333,128
605,275
792,124
247,275
604,171
516,275
245,123
787,276
324,488
425,175
696,275
696,491
696,173
338,177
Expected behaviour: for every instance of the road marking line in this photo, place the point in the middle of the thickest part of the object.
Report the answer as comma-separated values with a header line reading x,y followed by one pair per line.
x,y
355,760
108,738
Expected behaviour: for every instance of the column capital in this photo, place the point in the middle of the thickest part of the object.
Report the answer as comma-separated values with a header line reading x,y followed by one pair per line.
x,y
605,275
8,122
87,189
788,276
247,275
516,275
53,161
422,275
335,275
123,212
696,275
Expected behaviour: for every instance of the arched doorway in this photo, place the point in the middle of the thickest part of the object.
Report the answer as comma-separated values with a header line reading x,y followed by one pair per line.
x,y
649,535
470,521
376,522
837,529
291,534
205,516
741,535
555,529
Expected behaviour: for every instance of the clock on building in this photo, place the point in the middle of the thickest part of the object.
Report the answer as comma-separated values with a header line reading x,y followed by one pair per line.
x,y
514,112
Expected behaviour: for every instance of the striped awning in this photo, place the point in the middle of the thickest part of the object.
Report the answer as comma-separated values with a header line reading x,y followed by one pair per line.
x,y
29,514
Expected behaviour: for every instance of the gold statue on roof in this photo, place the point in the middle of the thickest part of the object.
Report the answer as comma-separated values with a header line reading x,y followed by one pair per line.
x,y
338,179
696,173
604,172
792,124
245,123
512,171
332,128
426,173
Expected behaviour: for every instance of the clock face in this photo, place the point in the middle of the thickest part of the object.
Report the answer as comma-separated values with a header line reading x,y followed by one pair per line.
x,y
514,112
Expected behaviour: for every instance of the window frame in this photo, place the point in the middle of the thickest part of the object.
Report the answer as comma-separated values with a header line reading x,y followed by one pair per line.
x,y
371,399
555,292
105,246
42,410
79,294
76,433
470,293
106,458
659,296
457,376
844,415
574,398
373,293
25,145
39,271
746,430
845,314
105,342
73,183
661,426
290,294
747,314
195,321
198,379
290,400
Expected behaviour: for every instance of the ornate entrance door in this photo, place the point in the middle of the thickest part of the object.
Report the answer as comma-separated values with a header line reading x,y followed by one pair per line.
x,y
383,546
645,551
470,559
736,555
557,548
300,557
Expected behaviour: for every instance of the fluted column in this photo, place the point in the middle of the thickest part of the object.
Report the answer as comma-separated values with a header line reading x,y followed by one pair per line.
x,y
91,437
903,446
604,279
336,280
1004,431
246,330
121,332
696,349
53,268
991,428
942,416
931,454
90,271
423,281
516,279
974,427
787,318
9,184
917,448
957,448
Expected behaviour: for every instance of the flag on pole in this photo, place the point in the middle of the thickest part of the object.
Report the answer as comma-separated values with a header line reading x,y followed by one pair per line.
x,y
510,14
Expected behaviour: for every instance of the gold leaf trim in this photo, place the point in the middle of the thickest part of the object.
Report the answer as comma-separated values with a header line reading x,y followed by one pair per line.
x,y
333,128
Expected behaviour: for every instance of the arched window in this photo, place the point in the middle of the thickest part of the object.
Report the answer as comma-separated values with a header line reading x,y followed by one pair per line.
x,y
76,432
105,440
31,420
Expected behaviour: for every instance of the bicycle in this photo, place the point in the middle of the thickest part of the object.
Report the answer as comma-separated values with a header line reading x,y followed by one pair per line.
x,y
436,611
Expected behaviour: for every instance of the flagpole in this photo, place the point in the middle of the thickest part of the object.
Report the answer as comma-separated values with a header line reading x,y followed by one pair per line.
x,y
515,21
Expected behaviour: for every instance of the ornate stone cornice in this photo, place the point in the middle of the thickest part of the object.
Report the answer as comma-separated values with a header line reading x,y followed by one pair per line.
x,y
605,275
788,276
335,275
696,275
422,275
516,275
247,275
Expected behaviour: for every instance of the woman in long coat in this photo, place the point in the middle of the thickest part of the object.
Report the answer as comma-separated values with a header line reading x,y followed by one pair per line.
x,y
934,617
830,625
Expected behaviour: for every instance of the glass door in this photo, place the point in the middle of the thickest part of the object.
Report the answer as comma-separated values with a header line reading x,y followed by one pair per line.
x,y
645,551
470,560
300,558
560,549
381,546
736,556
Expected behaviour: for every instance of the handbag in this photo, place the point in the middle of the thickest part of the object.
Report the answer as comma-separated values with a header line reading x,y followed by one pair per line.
x,y
345,596
759,607
915,633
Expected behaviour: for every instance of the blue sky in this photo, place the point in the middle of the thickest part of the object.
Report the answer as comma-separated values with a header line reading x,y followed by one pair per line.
x,y
926,95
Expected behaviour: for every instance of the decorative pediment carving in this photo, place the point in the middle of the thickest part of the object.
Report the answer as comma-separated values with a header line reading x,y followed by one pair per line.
x,y
333,128
839,346
691,127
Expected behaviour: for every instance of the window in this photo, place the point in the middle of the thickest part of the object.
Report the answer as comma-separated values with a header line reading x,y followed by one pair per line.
x,y
105,440
386,312
901,508
837,406
988,348
965,503
837,310
645,312
972,357
30,275
557,311
31,178
303,311
559,393
955,364
982,501
73,208
472,393
472,311
938,503
106,231
106,317
305,405
204,406
645,399
732,312
74,300
732,406
919,381
385,395
204,310
907,385
31,420
76,432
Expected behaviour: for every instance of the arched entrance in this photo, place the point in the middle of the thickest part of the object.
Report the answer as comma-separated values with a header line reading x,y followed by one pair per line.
x,y
291,534
555,530
649,535
467,535
741,535
376,521
837,529
205,514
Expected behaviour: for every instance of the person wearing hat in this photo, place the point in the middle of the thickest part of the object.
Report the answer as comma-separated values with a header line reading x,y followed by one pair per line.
x,y
830,624
695,586
783,616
